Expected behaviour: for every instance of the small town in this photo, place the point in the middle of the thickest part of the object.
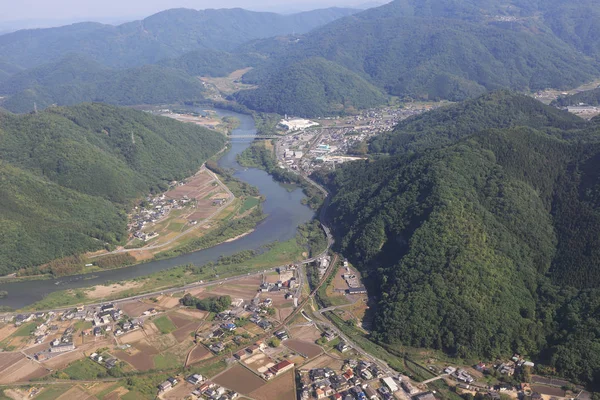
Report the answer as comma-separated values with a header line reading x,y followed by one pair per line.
x,y
323,143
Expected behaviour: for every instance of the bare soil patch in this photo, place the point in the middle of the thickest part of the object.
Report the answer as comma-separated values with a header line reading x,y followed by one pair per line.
x,y
168,302
280,388
324,361
179,320
548,390
185,331
306,349
138,360
145,347
198,354
6,331
101,291
193,313
9,359
60,362
22,370
132,337
179,392
240,379
135,308
306,333
75,393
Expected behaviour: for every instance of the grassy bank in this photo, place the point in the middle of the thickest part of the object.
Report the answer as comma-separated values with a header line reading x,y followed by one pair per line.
x,y
276,254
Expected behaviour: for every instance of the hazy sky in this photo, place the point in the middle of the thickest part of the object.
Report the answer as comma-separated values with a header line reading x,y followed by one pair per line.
x,y
38,11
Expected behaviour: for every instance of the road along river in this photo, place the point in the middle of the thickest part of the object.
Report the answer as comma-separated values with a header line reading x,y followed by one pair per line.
x,y
283,207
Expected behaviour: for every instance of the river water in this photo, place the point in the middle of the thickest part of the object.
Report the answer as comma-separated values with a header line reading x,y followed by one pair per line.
x,y
283,207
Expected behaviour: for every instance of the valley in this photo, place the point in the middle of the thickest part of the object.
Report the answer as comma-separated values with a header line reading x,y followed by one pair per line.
x,y
400,202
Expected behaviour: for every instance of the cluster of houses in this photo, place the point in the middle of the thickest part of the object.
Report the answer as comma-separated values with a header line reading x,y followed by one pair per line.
x,y
203,388
460,374
289,284
108,362
58,346
250,350
351,384
157,208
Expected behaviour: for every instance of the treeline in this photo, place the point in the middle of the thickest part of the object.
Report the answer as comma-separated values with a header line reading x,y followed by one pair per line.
x,y
481,240
211,304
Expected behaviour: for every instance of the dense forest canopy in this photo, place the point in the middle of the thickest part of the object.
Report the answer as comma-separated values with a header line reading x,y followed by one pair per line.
x,y
312,87
482,237
76,79
70,173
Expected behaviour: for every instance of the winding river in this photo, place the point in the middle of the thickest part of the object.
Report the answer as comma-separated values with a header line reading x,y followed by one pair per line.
x,y
283,207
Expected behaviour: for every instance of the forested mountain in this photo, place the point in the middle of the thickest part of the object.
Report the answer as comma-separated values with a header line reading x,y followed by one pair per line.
x,y
208,62
76,79
69,173
450,123
587,97
312,87
485,244
443,49
7,70
168,34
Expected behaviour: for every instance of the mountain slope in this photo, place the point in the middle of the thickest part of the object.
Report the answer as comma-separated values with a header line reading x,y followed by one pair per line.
x,y
167,34
76,79
443,49
312,87
499,109
478,245
86,164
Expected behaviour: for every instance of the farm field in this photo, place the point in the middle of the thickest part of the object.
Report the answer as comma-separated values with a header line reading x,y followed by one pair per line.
x,y
306,349
240,379
281,388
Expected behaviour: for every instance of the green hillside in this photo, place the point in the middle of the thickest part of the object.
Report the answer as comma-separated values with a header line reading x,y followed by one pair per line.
x,y
312,87
209,62
450,123
486,244
443,49
168,34
73,171
76,79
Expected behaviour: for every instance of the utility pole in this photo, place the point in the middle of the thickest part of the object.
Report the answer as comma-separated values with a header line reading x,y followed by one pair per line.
x,y
35,107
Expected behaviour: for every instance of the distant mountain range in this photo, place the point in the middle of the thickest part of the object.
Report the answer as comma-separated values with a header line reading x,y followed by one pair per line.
x,y
167,34
441,49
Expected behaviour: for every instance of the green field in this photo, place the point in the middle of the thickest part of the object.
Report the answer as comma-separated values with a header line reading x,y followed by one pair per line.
x,y
209,370
85,369
165,361
26,330
248,204
164,324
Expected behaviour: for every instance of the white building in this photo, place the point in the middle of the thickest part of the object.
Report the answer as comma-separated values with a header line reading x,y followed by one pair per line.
x,y
297,124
